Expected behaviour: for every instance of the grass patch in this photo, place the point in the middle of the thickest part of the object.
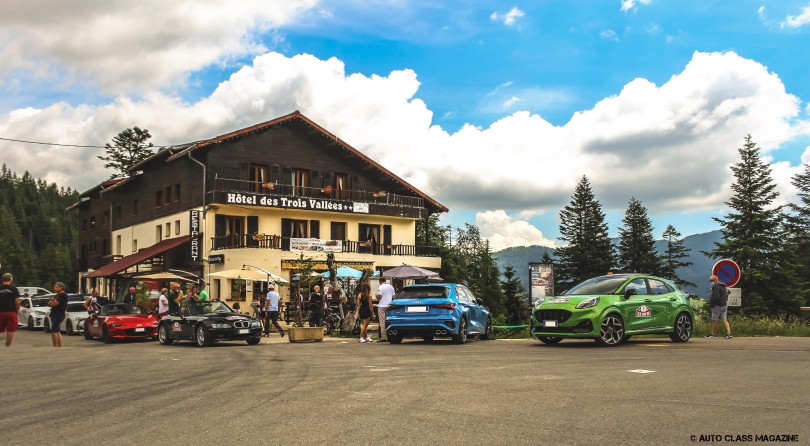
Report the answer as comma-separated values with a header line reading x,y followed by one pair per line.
x,y
743,325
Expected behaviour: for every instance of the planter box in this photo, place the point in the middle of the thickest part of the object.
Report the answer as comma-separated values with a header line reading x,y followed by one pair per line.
x,y
305,334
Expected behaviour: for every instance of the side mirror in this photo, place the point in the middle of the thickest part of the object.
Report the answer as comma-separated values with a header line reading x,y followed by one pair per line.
x,y
630,292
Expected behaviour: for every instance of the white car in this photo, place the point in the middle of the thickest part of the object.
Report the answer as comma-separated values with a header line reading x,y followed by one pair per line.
x,y
32,291
34,311
75,314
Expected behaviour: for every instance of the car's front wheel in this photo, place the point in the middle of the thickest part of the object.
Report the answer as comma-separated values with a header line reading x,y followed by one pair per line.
x,y
683,328
461,337
611,331
253,341
489,332
105,335
163,335
550,340
31,323
202,336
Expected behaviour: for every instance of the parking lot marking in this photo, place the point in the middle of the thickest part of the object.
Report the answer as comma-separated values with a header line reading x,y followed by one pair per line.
x,y
641,371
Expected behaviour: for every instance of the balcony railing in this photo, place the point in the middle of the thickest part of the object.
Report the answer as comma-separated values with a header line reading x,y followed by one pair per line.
x,y
239,241
381,197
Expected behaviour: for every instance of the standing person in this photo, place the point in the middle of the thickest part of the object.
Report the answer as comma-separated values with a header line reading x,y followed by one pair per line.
x,y
271,309
316,304
364,311
263,310
92,302
719,305
163,303
9,307
384,296
236,308
174,298
129,298
58,305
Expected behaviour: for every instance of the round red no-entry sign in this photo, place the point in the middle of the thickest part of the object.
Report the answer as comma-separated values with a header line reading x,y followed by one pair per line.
x,y
727,271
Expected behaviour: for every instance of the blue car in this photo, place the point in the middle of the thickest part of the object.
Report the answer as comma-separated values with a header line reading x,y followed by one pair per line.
x,y
437,310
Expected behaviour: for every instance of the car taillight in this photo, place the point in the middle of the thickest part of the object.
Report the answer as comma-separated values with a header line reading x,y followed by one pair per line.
x,y
445,306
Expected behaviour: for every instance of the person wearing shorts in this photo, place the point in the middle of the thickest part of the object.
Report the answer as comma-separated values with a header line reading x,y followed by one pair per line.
x,y
719,306
9,307
58,305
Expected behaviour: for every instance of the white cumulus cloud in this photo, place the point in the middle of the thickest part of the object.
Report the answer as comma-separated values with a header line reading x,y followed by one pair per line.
x,y
609,34
631,5
797,21
503,231
508,18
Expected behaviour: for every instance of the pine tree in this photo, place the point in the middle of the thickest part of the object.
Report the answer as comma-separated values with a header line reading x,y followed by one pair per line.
x,y
674,256
637,251
587,250
753,236
517,309
129,148
798,226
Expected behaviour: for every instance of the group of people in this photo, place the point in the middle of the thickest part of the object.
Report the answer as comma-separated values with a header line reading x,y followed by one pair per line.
x,y
365,309
10,307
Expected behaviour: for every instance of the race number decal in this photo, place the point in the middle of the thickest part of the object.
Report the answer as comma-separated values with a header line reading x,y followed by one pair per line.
x,y
176,326
643,311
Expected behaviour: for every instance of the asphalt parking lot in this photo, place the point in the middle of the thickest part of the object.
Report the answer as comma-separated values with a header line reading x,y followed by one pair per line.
x,y
647,392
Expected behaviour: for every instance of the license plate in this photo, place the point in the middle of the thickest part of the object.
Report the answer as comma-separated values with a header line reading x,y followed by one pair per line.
x,y
243,331
416,309
549,323
140,330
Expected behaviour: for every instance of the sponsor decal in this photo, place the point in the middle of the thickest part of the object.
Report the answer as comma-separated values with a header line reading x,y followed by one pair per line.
x,y
235,318
643,311
559,300
176,326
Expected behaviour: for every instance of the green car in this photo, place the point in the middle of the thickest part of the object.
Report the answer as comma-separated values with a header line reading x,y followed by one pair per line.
x,y
610,309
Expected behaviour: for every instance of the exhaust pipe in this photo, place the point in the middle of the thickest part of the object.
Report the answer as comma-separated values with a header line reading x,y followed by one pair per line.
x,y
441,332
392,332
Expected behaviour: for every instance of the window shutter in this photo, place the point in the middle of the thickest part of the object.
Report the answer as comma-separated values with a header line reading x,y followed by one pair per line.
x,y
252,228
286,233
315,228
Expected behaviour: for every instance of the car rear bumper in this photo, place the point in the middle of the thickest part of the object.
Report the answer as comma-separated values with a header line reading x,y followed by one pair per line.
x,y
437,328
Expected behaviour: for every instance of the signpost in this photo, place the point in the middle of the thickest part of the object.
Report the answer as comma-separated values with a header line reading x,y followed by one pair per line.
x,y
727,271
734,297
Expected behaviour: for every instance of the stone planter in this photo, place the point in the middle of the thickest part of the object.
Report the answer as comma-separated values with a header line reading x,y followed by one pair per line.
x,y
305,334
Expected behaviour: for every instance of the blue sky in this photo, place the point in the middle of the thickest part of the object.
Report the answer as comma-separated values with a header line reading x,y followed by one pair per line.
x,y
511,103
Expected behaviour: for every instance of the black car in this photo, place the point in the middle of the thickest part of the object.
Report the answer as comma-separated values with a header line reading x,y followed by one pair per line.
x,y
206,322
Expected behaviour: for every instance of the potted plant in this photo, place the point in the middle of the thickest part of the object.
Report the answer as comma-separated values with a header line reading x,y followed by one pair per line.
x,y
306,280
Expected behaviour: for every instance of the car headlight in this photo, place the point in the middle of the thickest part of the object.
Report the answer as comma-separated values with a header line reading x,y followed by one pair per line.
x,y
588,303
221,326
255,324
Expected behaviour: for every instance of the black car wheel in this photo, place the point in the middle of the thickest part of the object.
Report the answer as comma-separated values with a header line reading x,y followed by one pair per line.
x,y
47,325
427,339
87,334
683,328
550,340
461,337
69,328
202,337
253,341
163,335
489,332
31,323
105,335
394,339
611,332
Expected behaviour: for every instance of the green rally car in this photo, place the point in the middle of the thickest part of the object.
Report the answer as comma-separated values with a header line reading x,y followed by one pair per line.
x,y
610,309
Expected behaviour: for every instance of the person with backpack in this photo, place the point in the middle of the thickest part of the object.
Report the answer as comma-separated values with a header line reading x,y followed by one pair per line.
x,y
719,306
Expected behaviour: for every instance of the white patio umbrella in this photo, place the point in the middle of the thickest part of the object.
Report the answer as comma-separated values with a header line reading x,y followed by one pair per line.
x,y
240,274
410,272
163,276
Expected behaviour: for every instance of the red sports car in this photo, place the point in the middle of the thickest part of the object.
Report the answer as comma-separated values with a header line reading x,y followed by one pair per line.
x,y
120,321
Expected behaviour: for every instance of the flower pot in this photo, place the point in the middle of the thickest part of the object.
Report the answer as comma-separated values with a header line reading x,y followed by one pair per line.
x,y
305,334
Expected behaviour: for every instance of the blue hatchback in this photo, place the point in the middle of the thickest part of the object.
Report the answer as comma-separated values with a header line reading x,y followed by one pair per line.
x,y
437,310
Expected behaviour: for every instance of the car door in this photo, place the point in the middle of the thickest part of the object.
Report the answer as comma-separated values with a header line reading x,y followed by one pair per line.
x,y
476,312
186,323
664,301
642,309
25,310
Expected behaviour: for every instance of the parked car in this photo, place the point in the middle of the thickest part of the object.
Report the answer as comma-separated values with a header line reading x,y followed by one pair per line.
x,y
610,309
120,321
32,291
437,310
33,312
75,315
206,322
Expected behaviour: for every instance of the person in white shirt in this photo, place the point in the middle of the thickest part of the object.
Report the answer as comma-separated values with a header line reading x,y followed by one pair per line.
x,y
384,296
271,310
163,303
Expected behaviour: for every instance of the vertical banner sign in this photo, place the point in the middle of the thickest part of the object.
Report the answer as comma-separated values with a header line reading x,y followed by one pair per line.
x,y
194,231
541,281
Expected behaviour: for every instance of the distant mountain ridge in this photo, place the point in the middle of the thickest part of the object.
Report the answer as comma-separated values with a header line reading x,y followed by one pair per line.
x,y
518,257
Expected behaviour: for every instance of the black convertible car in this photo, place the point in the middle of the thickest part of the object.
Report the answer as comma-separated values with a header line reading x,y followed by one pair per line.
x,y
206,322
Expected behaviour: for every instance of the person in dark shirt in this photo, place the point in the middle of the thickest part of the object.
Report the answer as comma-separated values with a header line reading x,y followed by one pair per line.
x,y
58,305
316,305
174,298
9,307
129,298
719,307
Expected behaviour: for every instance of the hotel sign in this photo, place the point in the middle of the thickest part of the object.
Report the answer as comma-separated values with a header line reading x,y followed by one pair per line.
x,y
310,204
194,231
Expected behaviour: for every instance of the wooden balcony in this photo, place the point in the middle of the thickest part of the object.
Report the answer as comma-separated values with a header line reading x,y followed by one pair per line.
x,y
242,241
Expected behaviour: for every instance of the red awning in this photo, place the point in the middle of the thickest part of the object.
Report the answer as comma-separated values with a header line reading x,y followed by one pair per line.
x,y
134,259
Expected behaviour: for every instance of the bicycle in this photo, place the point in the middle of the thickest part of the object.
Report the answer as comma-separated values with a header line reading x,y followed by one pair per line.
x,y
332,321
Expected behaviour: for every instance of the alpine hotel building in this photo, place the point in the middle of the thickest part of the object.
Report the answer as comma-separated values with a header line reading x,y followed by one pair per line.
x,y
259,196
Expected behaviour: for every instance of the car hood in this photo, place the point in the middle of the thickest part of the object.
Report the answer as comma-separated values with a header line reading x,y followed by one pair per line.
x,y
225,317
132,318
